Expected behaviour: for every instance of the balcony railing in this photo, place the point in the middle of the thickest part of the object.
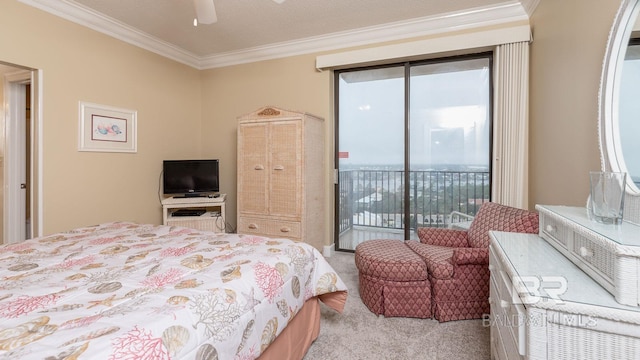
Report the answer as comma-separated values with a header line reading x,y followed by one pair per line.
x,y
375,198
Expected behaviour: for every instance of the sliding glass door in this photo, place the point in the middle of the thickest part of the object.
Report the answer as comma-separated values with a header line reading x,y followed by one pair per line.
x,y
371,143
413,145
449,139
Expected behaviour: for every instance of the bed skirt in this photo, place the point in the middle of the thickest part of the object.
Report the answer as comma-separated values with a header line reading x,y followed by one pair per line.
x,y
294,341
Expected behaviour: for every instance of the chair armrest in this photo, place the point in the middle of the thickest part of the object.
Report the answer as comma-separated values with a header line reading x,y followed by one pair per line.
x,y
443,237
470,256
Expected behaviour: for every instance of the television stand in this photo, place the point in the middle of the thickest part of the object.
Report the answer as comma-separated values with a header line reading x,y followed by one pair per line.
x,y
213,218
187,196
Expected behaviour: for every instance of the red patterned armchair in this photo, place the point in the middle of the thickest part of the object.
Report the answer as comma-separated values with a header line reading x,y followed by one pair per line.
x,y
458,260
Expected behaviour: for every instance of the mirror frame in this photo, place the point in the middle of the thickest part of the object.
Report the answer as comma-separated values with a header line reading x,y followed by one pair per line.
x,y
611,156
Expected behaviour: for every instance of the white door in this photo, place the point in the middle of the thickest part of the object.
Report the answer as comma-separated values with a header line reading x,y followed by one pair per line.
x,y
15,206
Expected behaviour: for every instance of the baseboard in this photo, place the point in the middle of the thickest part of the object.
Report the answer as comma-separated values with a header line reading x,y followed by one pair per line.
x,y
327,251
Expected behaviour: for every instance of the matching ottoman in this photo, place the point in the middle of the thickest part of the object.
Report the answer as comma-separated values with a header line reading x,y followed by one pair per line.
x,y
393,279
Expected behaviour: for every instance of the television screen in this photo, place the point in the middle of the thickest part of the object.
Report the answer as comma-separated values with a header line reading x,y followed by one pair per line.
x,y
190,177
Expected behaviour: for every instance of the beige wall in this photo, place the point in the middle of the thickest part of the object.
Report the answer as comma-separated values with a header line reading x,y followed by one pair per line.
x,y
176,103
78,64
570,38
291,83
566,58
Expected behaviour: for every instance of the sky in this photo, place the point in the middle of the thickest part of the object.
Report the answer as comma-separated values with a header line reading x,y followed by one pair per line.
x,y
449,116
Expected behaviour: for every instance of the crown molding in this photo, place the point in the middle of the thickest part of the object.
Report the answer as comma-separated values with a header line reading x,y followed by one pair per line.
x,y
475,18
506,12
530,6
94,20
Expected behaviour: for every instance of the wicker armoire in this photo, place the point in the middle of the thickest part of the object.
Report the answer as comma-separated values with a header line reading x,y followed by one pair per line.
x,y
281,175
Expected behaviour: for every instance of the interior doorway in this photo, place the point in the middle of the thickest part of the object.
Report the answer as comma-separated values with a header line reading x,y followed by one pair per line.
x,y
19,156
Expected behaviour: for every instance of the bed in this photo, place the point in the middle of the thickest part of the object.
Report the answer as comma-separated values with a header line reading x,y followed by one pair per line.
x,y
123,290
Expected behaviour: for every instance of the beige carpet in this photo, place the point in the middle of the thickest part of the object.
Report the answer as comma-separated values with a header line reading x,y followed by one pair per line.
x,y
359,334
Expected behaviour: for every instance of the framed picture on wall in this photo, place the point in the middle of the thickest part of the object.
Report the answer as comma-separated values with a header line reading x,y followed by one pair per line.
x,y
107,129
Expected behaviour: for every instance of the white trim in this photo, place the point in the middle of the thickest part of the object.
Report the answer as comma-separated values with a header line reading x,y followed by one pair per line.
x,y
611,155
473,40
530,6
502,13
328,250
37,224
433,25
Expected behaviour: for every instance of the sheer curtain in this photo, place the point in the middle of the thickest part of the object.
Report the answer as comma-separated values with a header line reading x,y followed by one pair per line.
x,y
510,183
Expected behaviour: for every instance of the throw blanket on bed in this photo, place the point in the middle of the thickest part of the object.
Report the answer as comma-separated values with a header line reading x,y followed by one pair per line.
x,y
131,291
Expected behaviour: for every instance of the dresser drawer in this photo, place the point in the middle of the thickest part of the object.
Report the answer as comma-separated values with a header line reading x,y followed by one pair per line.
x,y
510,340
508,315
270,228
554,231
595,255
584,243
581,246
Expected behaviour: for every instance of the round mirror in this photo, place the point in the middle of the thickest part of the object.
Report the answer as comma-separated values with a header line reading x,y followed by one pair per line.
x,y
629,110
619,123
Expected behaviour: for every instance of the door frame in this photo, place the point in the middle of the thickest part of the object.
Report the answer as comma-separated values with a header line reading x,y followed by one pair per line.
x,y
407,66
14,104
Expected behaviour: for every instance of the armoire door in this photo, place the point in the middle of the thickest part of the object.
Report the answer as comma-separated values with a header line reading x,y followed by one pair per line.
x,y
285,194
253,180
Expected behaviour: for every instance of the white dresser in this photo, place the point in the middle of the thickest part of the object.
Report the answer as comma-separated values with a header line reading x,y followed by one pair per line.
x,y
543,306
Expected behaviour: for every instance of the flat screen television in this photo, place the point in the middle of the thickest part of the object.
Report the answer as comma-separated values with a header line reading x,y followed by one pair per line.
x,y
190,178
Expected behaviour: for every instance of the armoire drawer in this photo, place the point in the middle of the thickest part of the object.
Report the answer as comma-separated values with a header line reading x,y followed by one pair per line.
x,y
270,227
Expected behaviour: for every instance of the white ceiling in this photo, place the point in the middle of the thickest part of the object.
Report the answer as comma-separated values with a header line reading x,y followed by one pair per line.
x,y
252,30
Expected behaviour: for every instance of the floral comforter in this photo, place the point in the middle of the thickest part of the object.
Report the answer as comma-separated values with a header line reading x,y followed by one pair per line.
x,y
130,291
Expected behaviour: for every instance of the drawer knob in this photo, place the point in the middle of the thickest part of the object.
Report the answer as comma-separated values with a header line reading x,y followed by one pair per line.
x,y
504,304
253,226
258,167
285,229
584,252
550,228
278,167
491,267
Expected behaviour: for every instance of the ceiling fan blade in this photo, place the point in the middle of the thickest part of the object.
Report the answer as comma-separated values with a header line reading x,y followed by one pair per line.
x,y
205,11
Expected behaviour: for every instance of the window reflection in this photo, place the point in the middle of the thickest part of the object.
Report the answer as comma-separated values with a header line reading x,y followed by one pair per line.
x,y
629,116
